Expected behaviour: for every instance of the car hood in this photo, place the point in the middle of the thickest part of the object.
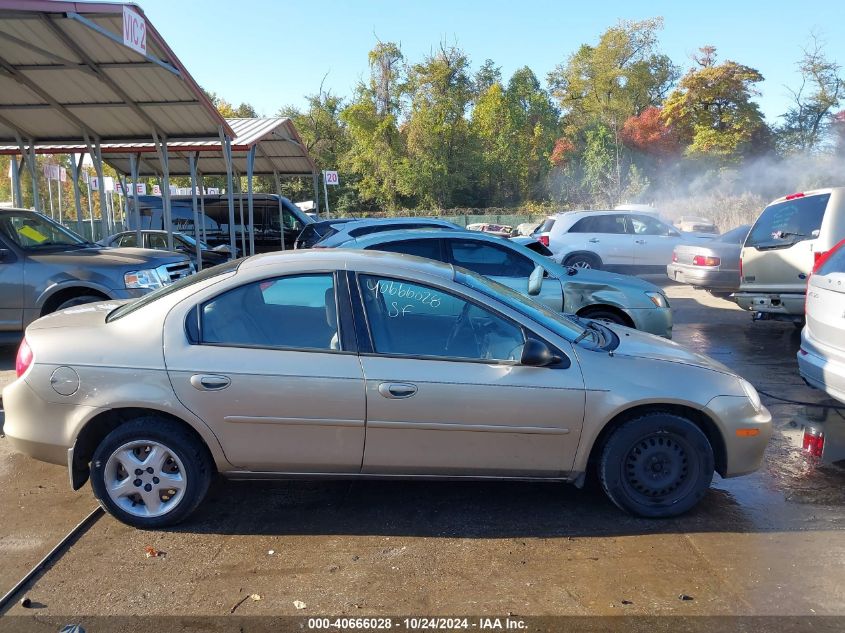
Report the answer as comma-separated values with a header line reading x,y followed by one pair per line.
x,y
637,344
98,256
602,277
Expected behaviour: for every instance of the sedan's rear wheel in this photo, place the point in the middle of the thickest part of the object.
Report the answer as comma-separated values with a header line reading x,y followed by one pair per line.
x,y
657,465
150,473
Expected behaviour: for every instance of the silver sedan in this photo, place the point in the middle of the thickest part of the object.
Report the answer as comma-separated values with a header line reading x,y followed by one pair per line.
x,y
338,363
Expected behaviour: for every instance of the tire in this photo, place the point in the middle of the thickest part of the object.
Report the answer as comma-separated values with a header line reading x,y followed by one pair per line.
x,y
184,464
799,325
583,260
605,315
78,301
634,451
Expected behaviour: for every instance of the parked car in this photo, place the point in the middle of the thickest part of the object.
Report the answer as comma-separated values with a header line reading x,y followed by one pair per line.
x,y
526,228
359,228
695,224
788,238
182,243
542,232
314,232
591,294
532,243
713,266
438,367
270,212
821,358
624,241
499,230
45,267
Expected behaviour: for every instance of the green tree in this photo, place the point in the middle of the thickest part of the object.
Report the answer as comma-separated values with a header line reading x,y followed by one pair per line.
x,y
376,148
822,87
439,144
712,108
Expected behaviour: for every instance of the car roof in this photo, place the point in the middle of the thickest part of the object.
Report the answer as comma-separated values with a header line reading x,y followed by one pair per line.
x,y
804,194
421,234
349,259
354,224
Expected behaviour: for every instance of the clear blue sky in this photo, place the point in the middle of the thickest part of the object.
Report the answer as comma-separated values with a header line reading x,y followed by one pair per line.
x,y
272,53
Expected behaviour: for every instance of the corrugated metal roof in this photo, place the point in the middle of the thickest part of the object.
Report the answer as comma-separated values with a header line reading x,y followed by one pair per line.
x,y
65,72
279,150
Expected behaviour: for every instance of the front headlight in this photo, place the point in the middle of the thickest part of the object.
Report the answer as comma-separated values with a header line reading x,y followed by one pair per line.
x,y
752,394
658,299
148,279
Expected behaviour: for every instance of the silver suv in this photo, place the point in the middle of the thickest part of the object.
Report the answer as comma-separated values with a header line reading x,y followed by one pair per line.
x,y
45,267
786,241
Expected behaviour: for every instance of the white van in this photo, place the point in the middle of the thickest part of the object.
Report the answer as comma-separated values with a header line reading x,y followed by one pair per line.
x,y
788,238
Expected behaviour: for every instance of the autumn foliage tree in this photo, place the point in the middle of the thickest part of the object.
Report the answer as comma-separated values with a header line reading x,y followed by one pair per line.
x,y
649,134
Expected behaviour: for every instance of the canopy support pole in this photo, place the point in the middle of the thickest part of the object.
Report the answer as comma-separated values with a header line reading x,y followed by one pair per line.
x,y
227,156
278,181
241,207
16,183
250,166
133,167
192,163
75,168
97,156
315,178
33,174
202,206
161,148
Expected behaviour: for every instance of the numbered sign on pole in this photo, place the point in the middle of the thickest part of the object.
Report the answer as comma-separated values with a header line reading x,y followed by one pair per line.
x,y
331,178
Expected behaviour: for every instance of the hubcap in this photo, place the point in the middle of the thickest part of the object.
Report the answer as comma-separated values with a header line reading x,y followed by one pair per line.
x,y
145,478
657,466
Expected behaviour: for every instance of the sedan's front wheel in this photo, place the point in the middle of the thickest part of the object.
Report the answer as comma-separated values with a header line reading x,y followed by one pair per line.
x,y
150,473
657,465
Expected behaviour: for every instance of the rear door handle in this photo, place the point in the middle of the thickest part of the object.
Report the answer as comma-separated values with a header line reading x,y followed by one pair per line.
x,y
593,240
210,382
397,390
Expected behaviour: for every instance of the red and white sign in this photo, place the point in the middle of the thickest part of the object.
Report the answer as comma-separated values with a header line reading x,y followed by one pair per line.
x,y
331,178
141,188
134,31
156,190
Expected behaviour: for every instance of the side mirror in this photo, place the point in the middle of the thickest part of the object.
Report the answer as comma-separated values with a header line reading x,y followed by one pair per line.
x,y
537,354
223,248
535,281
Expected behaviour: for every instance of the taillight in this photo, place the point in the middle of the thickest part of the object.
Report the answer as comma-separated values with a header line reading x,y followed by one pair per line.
x,y
705,260
740,269
24,359
544,240
674,257
813,443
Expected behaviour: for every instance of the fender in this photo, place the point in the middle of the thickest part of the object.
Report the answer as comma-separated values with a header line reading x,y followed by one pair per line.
x,y
55,287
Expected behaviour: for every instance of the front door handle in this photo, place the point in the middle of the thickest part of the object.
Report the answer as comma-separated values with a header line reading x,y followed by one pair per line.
x,y
594,240
397,390
639,241
210,382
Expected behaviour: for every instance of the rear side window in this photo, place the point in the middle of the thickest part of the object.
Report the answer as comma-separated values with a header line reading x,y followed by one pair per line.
x,y
786,223
546,226
836,262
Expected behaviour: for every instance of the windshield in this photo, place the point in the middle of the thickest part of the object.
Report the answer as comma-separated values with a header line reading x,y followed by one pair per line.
x,y
128,308
33,231
567,326
789,222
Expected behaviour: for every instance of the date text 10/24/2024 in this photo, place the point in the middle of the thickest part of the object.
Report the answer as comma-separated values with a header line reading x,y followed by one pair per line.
x,y
418,623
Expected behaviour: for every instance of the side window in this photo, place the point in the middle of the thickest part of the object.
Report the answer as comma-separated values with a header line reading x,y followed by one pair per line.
x,y
158,241
420,248
584,225
488,259
411,319
292,312
644,225
125,241
607,224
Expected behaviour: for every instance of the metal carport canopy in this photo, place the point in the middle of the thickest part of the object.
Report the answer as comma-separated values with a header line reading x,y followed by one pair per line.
x,y
65,73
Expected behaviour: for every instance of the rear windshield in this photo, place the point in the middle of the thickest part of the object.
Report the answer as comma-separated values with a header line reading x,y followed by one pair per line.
x,y
378,228
734,236
789,222
546,226
836,262
155,295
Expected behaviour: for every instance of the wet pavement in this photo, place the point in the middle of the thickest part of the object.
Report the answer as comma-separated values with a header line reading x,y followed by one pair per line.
x,y
771,543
